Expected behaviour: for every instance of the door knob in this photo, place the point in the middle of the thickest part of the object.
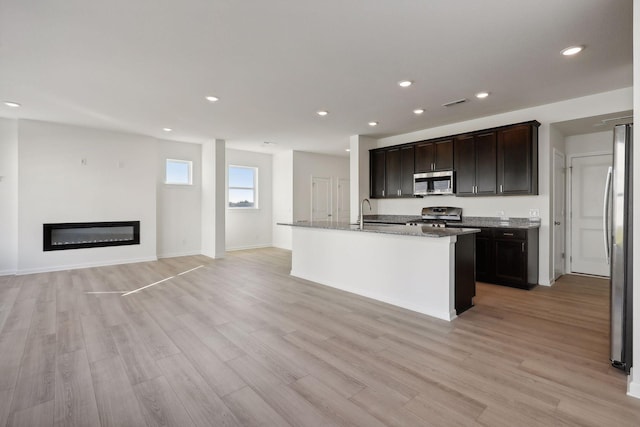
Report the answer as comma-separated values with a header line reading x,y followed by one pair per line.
x,y
556,222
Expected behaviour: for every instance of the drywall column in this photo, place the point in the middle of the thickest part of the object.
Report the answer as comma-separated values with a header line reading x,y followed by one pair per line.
x,y
634,378
8,196
213,198
282,198
359,172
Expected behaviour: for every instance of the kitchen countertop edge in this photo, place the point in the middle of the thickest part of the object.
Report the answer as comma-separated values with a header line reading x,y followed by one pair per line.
x,y
395,229
471,221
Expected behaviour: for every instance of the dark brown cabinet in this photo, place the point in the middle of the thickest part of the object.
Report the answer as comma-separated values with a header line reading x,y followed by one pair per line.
x,y
484,255
517,158
475,164
433,156
377,173
407,155
507,256
392,172
500,161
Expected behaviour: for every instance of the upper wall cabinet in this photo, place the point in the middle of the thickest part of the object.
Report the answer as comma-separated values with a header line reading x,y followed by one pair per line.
x,y
475,164
434,155
377,162
517,160
499,161
391,173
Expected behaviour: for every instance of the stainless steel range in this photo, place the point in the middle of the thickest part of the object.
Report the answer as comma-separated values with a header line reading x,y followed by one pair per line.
x,y
439,216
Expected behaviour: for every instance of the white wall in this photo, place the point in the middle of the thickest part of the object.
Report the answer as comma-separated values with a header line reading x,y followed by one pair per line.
x,y
251,228
359,172
213,206
597,142
178,206
307,165
8,196
117,183
593,105
282,199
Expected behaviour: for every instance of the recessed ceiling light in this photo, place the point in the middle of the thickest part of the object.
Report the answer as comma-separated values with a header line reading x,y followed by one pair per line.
x,y
572,50
11,104
482,95
323,113
373,123
167,129
347,149
405,83
418,111
211,98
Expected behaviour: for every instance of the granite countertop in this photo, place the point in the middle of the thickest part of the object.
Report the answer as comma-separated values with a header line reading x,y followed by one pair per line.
x,y
496,222
467,221
404,230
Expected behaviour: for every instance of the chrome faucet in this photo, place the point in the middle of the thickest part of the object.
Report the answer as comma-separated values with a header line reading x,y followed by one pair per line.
x,y
362,211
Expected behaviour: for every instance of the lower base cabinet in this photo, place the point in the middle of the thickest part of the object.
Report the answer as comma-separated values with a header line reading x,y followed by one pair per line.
x,y
507,256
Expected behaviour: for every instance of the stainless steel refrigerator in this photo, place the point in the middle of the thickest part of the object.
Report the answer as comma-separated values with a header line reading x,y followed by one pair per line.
x,y
618,228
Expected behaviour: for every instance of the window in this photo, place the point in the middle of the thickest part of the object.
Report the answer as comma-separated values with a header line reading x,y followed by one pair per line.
x,y
178,172
243,187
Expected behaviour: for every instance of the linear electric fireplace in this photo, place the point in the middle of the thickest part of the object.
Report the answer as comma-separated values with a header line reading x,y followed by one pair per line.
x,y
76,235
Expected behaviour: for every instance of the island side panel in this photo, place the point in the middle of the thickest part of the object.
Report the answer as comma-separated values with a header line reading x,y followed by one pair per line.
x,y
416,273
465,273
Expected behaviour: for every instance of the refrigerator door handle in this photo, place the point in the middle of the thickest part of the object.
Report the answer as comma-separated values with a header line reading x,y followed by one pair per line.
x,y
605,215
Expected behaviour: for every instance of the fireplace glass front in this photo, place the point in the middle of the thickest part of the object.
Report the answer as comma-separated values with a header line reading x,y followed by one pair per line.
x,y
90,235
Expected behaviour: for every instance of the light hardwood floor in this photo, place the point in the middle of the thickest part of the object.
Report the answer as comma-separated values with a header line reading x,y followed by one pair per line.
x,y
240,342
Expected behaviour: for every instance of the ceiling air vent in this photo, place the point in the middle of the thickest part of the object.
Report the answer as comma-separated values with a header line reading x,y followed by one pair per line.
x,y
456,102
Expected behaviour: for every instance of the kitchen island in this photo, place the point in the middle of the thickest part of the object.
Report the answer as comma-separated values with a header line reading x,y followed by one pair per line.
x,y
425,269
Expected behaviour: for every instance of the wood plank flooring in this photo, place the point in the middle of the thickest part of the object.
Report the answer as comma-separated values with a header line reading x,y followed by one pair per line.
x,y
240,342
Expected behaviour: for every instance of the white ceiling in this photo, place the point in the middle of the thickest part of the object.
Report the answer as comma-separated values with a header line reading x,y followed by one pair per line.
x,y
140,66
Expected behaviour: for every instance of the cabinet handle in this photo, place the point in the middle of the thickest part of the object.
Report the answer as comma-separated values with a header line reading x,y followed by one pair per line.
x,y
522,246
399,192
509,234
501,188
433,166
382,193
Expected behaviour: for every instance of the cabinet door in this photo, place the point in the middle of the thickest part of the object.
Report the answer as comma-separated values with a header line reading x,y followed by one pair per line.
x,y
393,169
425,157
377,165
485,147
443,155
406,171
515,160
510,262
465,165
484,257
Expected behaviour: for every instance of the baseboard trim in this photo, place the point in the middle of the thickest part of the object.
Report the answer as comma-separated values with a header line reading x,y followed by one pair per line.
x,y
633,387
7,272
84,265
243,248
179,254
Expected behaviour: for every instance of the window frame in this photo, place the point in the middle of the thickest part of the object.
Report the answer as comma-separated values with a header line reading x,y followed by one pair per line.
x,y
254,188
189,164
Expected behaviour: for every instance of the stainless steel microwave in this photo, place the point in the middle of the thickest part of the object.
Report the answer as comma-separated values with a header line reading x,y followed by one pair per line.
x,y
432,183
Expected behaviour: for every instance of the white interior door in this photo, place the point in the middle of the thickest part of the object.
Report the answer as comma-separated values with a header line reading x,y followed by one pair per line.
x,y
559,183
320,198
588,175
342,199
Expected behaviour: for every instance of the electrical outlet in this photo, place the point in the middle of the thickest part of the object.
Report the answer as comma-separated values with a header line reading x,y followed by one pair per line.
x,y
534,213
